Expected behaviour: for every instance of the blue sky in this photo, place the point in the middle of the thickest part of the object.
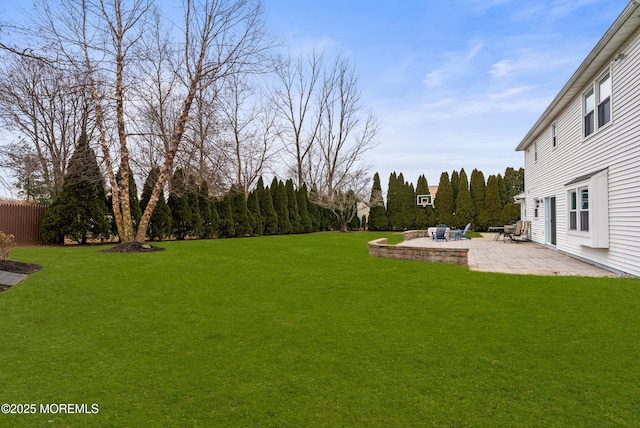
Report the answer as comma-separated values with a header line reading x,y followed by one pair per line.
x,y
455,83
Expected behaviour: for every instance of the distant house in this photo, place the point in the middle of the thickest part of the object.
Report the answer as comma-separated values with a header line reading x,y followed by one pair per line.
x,y
582,156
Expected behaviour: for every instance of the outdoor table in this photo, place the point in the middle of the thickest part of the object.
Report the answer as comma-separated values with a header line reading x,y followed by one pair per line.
x,y
501,231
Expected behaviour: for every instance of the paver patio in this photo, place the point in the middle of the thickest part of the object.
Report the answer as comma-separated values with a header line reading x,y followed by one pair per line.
x,y
489,255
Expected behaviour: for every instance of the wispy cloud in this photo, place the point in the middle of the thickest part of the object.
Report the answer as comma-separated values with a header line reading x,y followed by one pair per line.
x,y
454,64
527,62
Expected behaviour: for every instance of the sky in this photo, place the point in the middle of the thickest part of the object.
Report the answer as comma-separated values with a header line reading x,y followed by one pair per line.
x,y
454,83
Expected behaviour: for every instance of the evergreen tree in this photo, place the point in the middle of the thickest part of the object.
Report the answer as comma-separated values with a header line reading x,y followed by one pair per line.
x,y
181,211
464,212
193,197
490,215
303,207
514,183
292,205
79,212
267,211
444,201
477,189
455,177
160,223
209,222
316,215
281,205
408,206
255,218
425,216
354,223
226,224
502,188
239,211
377,213
394,202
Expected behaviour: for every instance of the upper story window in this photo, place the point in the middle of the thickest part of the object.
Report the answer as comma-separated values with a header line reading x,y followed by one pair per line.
x,y
589,116
604,96
554,135
597,96
535,151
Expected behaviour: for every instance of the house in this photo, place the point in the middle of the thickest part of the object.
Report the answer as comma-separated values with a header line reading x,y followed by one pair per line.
x,y
582,156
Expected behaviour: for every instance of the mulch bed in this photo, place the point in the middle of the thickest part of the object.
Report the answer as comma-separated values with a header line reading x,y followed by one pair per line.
x,y
17,267
132,247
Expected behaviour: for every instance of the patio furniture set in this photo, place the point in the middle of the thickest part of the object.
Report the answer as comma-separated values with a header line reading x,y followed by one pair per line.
x,y
442,232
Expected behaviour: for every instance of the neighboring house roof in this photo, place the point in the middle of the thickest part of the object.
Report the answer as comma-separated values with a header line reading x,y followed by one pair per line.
x,y
605,51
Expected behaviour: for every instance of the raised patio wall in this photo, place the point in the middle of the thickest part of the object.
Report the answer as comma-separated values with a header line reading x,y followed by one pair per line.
x,y
455,256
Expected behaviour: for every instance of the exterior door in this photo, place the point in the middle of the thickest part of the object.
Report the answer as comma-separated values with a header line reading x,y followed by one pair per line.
x,y
550,220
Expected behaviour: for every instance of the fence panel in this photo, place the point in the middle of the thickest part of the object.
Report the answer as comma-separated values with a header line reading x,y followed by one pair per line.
x,y
22,221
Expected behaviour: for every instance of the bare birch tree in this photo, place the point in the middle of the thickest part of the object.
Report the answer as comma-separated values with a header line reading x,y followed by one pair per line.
x,y
216,39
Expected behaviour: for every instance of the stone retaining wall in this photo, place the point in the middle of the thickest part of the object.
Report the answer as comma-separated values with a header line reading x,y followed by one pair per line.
x,y
455,256
414,234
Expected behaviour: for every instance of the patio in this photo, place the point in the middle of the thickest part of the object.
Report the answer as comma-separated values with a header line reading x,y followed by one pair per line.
x,y
488,255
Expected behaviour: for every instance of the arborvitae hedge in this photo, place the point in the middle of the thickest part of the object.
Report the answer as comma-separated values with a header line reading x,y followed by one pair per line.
x,y
281,205
255,218
209,221
226,227
303,207
377,213
464,212
267,211
492,207
292,205
444,201
477,188
239,211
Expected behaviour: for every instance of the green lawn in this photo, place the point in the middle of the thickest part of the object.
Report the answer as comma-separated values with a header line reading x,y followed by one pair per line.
x,y
308,330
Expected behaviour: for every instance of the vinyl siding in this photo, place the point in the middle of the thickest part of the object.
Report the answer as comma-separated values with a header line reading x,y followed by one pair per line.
x,y
616,147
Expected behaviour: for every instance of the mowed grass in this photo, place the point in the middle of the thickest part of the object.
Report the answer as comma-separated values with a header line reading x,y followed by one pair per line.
x,y
309,330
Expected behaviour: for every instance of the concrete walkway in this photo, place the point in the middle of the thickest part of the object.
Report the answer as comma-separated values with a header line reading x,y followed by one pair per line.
x,y
488,255
9,278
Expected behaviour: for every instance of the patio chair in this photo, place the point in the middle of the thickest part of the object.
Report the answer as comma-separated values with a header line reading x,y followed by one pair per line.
x,y
516,233
440,233
524,233
458,234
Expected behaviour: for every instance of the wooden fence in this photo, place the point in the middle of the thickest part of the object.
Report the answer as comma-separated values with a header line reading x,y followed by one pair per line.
x,y
22,221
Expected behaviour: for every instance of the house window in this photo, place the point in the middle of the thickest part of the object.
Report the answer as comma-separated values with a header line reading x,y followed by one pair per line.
x,y
604,97
584,209
535,151
596,105
573,210
554,135
589,117
588,209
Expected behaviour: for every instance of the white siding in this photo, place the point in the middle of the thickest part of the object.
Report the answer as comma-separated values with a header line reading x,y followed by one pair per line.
x,y
616,147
